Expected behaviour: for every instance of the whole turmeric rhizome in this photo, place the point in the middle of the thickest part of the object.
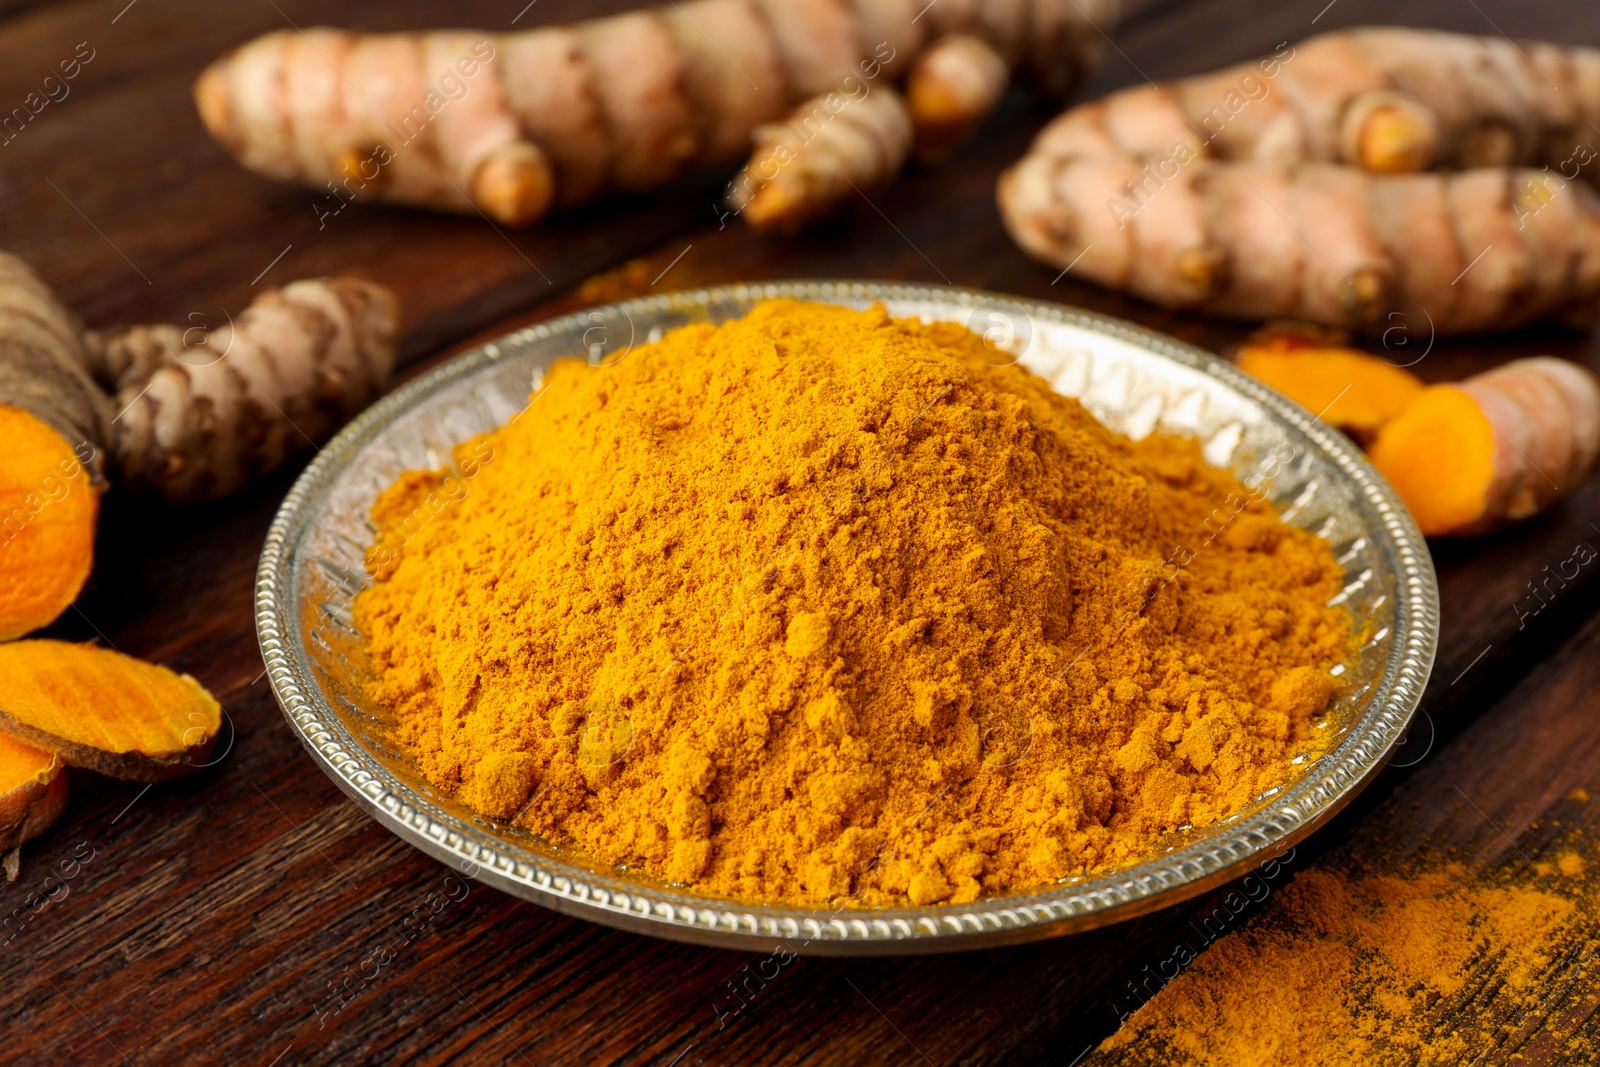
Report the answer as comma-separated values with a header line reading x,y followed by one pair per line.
x,y
825,605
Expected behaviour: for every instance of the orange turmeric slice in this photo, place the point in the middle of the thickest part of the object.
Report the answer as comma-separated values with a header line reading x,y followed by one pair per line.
x,y
1351,390
105,711
33,791
47,514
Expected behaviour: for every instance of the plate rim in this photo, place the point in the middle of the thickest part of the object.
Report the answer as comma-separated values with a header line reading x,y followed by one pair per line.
x,y
1158,882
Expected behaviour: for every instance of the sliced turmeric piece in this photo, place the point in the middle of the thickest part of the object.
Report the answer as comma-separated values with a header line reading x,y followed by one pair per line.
x,y
48,506
1351,390
33,792
105,711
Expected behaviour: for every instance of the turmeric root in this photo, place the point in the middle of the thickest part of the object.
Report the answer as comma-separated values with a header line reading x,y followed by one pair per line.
x,y
953,86
33,792
1494,449
1277,188
105,711
1386,99
1466,458
514,124
196,414
803,169
191,414
1356,392
1330,244
202,414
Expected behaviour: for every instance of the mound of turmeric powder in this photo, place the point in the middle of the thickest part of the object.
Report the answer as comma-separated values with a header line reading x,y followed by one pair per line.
x,y
821,605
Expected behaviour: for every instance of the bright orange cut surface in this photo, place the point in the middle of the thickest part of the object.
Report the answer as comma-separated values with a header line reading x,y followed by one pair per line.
x,y
1351,390
21,764
92,696
47,515
1439,455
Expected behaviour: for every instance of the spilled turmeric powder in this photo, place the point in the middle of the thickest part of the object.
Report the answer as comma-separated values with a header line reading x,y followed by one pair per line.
x,y
1423,962
822,605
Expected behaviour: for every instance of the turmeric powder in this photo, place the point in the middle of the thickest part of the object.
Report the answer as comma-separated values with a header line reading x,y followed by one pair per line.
x,y
819,604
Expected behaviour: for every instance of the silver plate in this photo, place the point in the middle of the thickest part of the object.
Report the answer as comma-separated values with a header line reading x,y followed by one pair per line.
x,y
1131,378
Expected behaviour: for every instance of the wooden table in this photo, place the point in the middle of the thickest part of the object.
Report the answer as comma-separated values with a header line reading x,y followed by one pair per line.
x,y
233,917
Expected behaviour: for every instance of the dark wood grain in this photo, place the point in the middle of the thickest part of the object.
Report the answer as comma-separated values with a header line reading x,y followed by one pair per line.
x,y
240,916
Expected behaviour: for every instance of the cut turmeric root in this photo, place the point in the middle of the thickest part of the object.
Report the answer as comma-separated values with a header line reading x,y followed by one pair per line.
x,y
48,507
1467,458
1351,390
1497,448
33,792
189,414
104,711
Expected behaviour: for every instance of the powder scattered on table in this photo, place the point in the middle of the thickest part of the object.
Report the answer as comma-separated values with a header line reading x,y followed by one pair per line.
x,y
1424,962
825,605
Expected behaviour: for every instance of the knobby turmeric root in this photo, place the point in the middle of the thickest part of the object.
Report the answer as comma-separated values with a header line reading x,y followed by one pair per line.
x,y
1329,244
514,124
201,414
1356,392
801,173
191,415
1229,193
33,792
104,711
1386,99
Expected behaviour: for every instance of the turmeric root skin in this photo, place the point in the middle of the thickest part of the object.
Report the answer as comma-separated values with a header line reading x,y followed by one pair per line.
x,y
513,124
104,711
